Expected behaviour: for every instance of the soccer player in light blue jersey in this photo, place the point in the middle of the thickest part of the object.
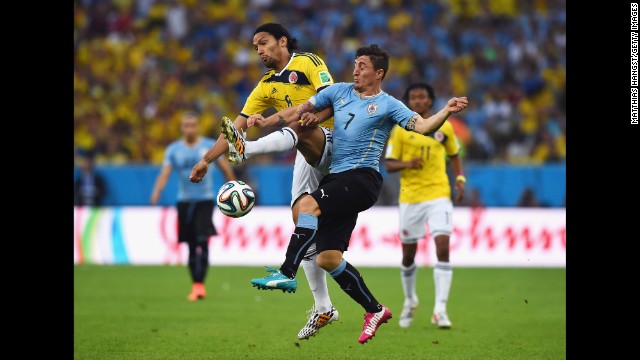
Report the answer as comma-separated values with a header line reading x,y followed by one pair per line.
x,y
363,118
195,200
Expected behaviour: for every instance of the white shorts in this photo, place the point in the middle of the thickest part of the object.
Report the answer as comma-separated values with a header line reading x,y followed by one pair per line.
x,y
436,213
306,177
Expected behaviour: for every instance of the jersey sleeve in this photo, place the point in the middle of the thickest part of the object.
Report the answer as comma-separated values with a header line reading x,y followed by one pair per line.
x,y
399,112
451,145
394,145
318,73
256,103
324,99
169,155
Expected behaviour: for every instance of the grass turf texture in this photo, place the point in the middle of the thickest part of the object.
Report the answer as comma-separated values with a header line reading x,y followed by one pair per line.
x,y
141,312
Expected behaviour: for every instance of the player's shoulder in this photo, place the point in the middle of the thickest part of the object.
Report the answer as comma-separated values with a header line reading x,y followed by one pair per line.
x,y
267,74
307,57
175,144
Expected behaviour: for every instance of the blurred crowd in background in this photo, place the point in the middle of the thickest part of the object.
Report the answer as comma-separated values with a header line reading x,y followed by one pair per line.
x,y
140,64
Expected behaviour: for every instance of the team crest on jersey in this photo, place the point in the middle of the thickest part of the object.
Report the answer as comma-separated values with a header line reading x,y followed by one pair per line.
x,y
371,109
293,77
438,135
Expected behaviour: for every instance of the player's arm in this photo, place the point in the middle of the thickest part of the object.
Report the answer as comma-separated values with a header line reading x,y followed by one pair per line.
x,y
394,154
456,165
429,125
226,169
161,182
292,114
394,165
219,148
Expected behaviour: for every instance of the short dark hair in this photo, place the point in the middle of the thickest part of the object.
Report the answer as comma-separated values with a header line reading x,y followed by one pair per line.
x,y
278,31
425,86
379,57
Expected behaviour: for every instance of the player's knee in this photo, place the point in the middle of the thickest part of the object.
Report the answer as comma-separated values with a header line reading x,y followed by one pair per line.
x,y
408,259
329,260
309,205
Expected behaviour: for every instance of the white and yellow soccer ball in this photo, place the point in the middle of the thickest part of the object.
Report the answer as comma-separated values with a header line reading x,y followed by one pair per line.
x,y
235,198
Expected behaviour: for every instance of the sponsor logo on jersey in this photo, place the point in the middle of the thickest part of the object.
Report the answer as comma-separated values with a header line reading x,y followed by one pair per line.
x,y
324,77
273,91
371,109
293,77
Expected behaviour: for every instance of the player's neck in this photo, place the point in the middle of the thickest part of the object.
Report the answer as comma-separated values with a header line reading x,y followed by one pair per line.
x,y
192,141
283,64
369,92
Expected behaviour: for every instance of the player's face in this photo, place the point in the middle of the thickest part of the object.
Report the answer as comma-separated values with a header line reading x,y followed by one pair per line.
x,y
364,76
419,100
190,128
268,48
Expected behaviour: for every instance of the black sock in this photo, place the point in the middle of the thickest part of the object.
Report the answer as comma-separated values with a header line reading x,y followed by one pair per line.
x,y
198,261
300,241
353,284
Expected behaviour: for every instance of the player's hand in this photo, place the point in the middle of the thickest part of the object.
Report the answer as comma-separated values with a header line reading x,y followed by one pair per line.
x,y
415,163
457,104
460,187
309,119
256,119
199,171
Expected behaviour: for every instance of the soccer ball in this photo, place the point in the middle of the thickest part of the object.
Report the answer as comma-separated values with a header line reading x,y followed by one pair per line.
x,y
235,198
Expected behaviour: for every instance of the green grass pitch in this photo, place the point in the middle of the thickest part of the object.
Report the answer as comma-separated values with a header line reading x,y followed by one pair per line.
x,y
141,312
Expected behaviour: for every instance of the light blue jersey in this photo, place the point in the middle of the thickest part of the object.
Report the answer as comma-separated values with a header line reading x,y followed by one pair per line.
x,y
182,158
361,126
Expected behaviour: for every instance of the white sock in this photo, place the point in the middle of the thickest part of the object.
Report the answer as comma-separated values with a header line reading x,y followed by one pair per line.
x,y
276,142
317,278
408,277
442,275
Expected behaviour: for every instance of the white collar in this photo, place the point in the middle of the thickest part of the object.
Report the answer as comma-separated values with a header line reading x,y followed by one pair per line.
x,y
286,66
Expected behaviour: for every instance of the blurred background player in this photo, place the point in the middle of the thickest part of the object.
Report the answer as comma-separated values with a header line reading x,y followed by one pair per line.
x,y
425,196
89,187
291,79
195,201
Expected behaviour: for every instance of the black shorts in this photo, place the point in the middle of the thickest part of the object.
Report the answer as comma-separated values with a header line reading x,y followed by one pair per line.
x,y
341,197
195,221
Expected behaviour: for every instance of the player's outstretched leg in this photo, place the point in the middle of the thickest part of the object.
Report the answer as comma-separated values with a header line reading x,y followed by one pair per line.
x,y
275,280
301,240
236,141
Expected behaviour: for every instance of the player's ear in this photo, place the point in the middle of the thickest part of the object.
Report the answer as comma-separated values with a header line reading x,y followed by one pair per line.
x,y
283,41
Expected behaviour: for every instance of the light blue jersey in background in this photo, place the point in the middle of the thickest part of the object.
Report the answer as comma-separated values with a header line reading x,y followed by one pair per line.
x,y
182,158
361,126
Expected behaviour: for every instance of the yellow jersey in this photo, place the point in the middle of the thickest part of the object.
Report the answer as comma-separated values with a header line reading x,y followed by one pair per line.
x,y
301,78
430,182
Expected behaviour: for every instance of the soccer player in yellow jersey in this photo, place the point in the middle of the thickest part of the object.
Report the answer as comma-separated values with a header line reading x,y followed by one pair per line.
x,y
291,80
425,196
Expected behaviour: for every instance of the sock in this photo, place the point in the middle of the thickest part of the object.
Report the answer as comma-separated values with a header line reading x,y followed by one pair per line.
x,y
277,141
408,277
442,276
353,284
300,241
198,261
316,276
